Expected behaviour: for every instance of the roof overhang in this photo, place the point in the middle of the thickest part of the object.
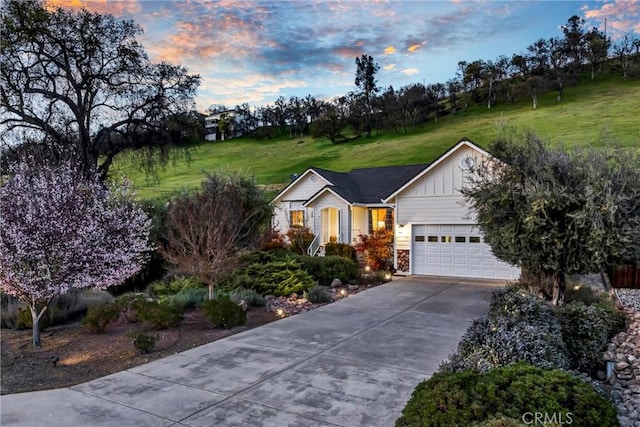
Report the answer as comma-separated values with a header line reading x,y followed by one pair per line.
x,y
432,165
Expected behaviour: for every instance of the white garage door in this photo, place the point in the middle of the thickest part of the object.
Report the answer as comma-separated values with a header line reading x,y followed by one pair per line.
x,y
456,250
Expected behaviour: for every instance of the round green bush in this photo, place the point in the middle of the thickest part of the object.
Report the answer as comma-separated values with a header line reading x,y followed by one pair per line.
x,y
161,314
250,296
99,316
129,304
224,313
586,330
468,397
144,341
317,294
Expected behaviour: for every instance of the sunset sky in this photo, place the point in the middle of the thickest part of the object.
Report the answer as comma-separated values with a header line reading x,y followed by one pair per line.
x,y
255,51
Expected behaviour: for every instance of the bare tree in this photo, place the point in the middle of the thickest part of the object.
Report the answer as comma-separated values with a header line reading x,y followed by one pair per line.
x,y
536,86
623,50
206,230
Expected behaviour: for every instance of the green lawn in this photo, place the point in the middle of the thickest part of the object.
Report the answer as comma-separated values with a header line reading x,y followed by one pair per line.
x,y
605,106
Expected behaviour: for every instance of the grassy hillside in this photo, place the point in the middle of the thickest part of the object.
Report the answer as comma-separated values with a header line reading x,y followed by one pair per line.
x,y
605,106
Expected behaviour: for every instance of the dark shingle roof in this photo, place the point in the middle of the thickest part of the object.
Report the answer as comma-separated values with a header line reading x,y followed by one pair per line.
x,y
370,185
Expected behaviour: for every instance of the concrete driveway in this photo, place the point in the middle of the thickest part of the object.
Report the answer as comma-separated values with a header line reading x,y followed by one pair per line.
x,y
351,363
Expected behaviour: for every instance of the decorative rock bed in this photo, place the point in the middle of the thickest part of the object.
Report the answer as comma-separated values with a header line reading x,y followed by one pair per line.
x,y
623,353
292,305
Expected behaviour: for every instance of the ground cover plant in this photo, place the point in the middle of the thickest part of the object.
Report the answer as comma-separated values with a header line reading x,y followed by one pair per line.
x,y
278,277
518,327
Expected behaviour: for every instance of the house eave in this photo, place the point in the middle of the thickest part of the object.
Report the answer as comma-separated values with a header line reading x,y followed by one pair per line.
x,y
294,182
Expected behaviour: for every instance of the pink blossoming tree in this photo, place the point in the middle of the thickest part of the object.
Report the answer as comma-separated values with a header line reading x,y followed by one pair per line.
x,y
60,231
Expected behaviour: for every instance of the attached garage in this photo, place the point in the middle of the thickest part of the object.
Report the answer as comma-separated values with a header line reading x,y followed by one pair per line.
x,y
436,232
456,250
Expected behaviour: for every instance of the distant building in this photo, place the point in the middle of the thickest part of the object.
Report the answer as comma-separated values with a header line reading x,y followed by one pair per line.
x,y
221,125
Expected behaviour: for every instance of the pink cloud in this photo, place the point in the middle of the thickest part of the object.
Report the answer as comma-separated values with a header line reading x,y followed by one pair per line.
x,y
205,34
116,8
349,52
622,16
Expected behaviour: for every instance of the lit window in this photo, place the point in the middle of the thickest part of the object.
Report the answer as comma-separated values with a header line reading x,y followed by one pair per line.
x,y
446,239
296,218
380,220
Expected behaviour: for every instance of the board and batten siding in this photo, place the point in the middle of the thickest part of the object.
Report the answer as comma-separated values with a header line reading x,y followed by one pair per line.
x,y
306,187
329,200
435,198
359,218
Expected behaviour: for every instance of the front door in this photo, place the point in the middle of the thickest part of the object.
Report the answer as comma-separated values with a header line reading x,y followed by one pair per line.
x,y
331,226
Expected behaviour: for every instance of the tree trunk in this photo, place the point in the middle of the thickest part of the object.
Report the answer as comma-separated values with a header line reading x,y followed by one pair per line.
x,y
35,320
535,101
559,287
605,281
211,293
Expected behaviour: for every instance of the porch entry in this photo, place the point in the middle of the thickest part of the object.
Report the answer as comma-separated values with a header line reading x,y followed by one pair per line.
x,y
330,231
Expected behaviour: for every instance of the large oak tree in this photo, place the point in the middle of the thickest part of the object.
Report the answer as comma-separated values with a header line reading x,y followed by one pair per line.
x,y
81,83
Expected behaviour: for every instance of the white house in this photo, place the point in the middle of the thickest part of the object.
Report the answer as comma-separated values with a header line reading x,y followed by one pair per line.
x,y
434,230
221,125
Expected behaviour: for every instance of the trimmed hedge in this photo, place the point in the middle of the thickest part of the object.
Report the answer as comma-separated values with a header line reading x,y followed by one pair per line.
x,y
342,250
325,269
468,397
